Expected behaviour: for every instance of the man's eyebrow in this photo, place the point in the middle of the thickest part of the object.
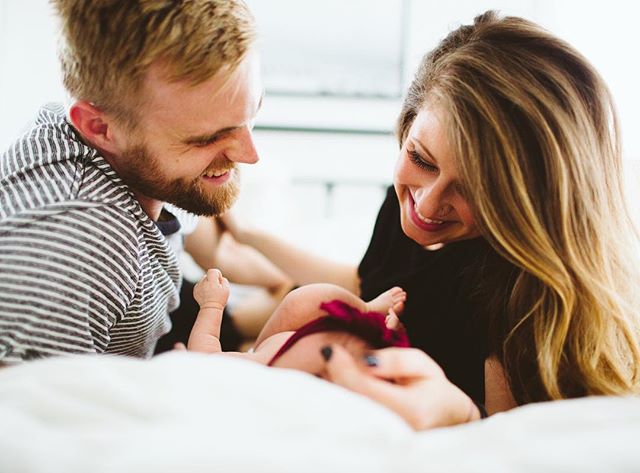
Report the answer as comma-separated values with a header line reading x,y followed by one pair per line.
x,y
220,134
424,149
210,138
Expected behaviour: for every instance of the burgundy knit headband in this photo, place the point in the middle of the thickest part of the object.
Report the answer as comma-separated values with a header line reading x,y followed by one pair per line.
x,y
341,317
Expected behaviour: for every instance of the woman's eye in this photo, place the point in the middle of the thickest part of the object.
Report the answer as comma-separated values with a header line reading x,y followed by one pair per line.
x,y
418,161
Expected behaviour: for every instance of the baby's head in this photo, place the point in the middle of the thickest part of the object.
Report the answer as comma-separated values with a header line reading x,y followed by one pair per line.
x,y
343,325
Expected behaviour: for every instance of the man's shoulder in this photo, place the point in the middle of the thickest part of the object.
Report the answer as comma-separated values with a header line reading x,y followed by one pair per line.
x,y
48,140
86,220
49,166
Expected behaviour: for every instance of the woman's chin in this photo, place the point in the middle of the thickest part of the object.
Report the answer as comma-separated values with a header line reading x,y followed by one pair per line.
x,y
421,237
434,240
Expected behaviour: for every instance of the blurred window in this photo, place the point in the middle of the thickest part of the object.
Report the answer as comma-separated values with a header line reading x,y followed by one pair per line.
x,y
346,48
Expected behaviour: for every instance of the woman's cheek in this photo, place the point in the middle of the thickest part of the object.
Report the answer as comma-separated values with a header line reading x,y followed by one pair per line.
x,y
400,170
466,215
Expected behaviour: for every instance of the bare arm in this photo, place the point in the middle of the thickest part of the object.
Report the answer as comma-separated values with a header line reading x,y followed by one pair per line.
x,y
211,293
241,264
301,266
497,393
202,244
205,334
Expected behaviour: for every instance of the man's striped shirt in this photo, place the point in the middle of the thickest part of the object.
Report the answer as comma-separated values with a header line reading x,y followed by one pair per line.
x,y
83,269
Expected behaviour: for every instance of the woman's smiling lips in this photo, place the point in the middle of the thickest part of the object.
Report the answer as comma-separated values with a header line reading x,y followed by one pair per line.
x,y
424,223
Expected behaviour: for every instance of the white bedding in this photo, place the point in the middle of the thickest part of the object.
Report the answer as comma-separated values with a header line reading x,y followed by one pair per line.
x,y
184,412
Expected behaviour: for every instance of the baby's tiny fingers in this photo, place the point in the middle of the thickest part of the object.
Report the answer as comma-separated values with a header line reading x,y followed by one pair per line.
x,y
391,320
214,275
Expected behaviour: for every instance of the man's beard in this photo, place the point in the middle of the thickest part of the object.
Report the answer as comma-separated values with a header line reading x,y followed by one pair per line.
x,y
143,174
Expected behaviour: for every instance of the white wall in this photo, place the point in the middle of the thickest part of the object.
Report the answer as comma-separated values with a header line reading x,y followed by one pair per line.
x,y
286,192
29,73
606,32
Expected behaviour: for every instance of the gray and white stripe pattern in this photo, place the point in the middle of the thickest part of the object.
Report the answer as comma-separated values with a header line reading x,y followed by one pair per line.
x,y
83,269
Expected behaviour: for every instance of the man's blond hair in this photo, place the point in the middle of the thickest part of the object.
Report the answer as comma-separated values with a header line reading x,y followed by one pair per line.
x,y
108,45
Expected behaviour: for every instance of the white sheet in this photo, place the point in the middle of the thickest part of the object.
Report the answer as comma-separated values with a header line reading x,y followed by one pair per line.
x,y
185,412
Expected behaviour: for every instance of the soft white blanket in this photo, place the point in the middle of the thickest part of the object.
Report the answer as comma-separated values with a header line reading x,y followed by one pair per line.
x,y
183,412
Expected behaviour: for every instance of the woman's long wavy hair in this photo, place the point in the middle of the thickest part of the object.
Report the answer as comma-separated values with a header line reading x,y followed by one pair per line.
x,y
534,132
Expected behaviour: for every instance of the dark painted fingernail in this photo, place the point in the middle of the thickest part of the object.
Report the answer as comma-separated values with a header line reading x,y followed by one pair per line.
x,y
326,352
371,360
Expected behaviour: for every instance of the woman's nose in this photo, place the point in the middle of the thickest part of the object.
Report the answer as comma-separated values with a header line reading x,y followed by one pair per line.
x,y
432,203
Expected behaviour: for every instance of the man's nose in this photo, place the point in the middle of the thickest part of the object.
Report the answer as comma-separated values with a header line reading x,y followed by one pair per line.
x,y
244,149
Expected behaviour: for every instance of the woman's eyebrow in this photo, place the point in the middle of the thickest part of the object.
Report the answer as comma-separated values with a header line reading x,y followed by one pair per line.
x,y
424,149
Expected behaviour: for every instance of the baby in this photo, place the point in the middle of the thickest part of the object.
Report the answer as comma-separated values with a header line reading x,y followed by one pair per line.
x,y
306,320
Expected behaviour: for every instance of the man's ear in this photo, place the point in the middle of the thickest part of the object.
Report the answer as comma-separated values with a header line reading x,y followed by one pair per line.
x,y
95,126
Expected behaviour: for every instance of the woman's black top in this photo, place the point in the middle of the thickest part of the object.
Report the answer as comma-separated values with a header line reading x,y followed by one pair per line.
x,y
444,315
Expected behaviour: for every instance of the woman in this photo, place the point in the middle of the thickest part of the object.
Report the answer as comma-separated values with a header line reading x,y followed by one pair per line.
x,y
509,189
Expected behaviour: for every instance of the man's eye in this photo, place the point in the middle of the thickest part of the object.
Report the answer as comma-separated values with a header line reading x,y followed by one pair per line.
x,y
202,144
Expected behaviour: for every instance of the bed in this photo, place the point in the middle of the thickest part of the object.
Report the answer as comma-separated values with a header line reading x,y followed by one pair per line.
x,y
186,412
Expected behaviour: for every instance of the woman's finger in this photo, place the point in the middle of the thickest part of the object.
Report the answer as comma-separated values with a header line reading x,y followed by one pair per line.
x,y
343,370
402,363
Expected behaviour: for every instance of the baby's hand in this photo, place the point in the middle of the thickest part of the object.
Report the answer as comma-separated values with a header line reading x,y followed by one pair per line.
x,y
393,321
212,291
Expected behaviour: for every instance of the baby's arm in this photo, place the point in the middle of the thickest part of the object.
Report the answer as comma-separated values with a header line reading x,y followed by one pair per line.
x,y
211,293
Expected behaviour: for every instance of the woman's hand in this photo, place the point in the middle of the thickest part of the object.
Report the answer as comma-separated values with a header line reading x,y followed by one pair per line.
x,y
406,381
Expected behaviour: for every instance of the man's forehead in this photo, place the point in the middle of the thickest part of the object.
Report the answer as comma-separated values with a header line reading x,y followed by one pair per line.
x,y
158,87
161,76
226,100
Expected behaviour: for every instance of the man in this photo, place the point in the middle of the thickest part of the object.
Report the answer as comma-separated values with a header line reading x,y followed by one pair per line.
x,y
164,97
